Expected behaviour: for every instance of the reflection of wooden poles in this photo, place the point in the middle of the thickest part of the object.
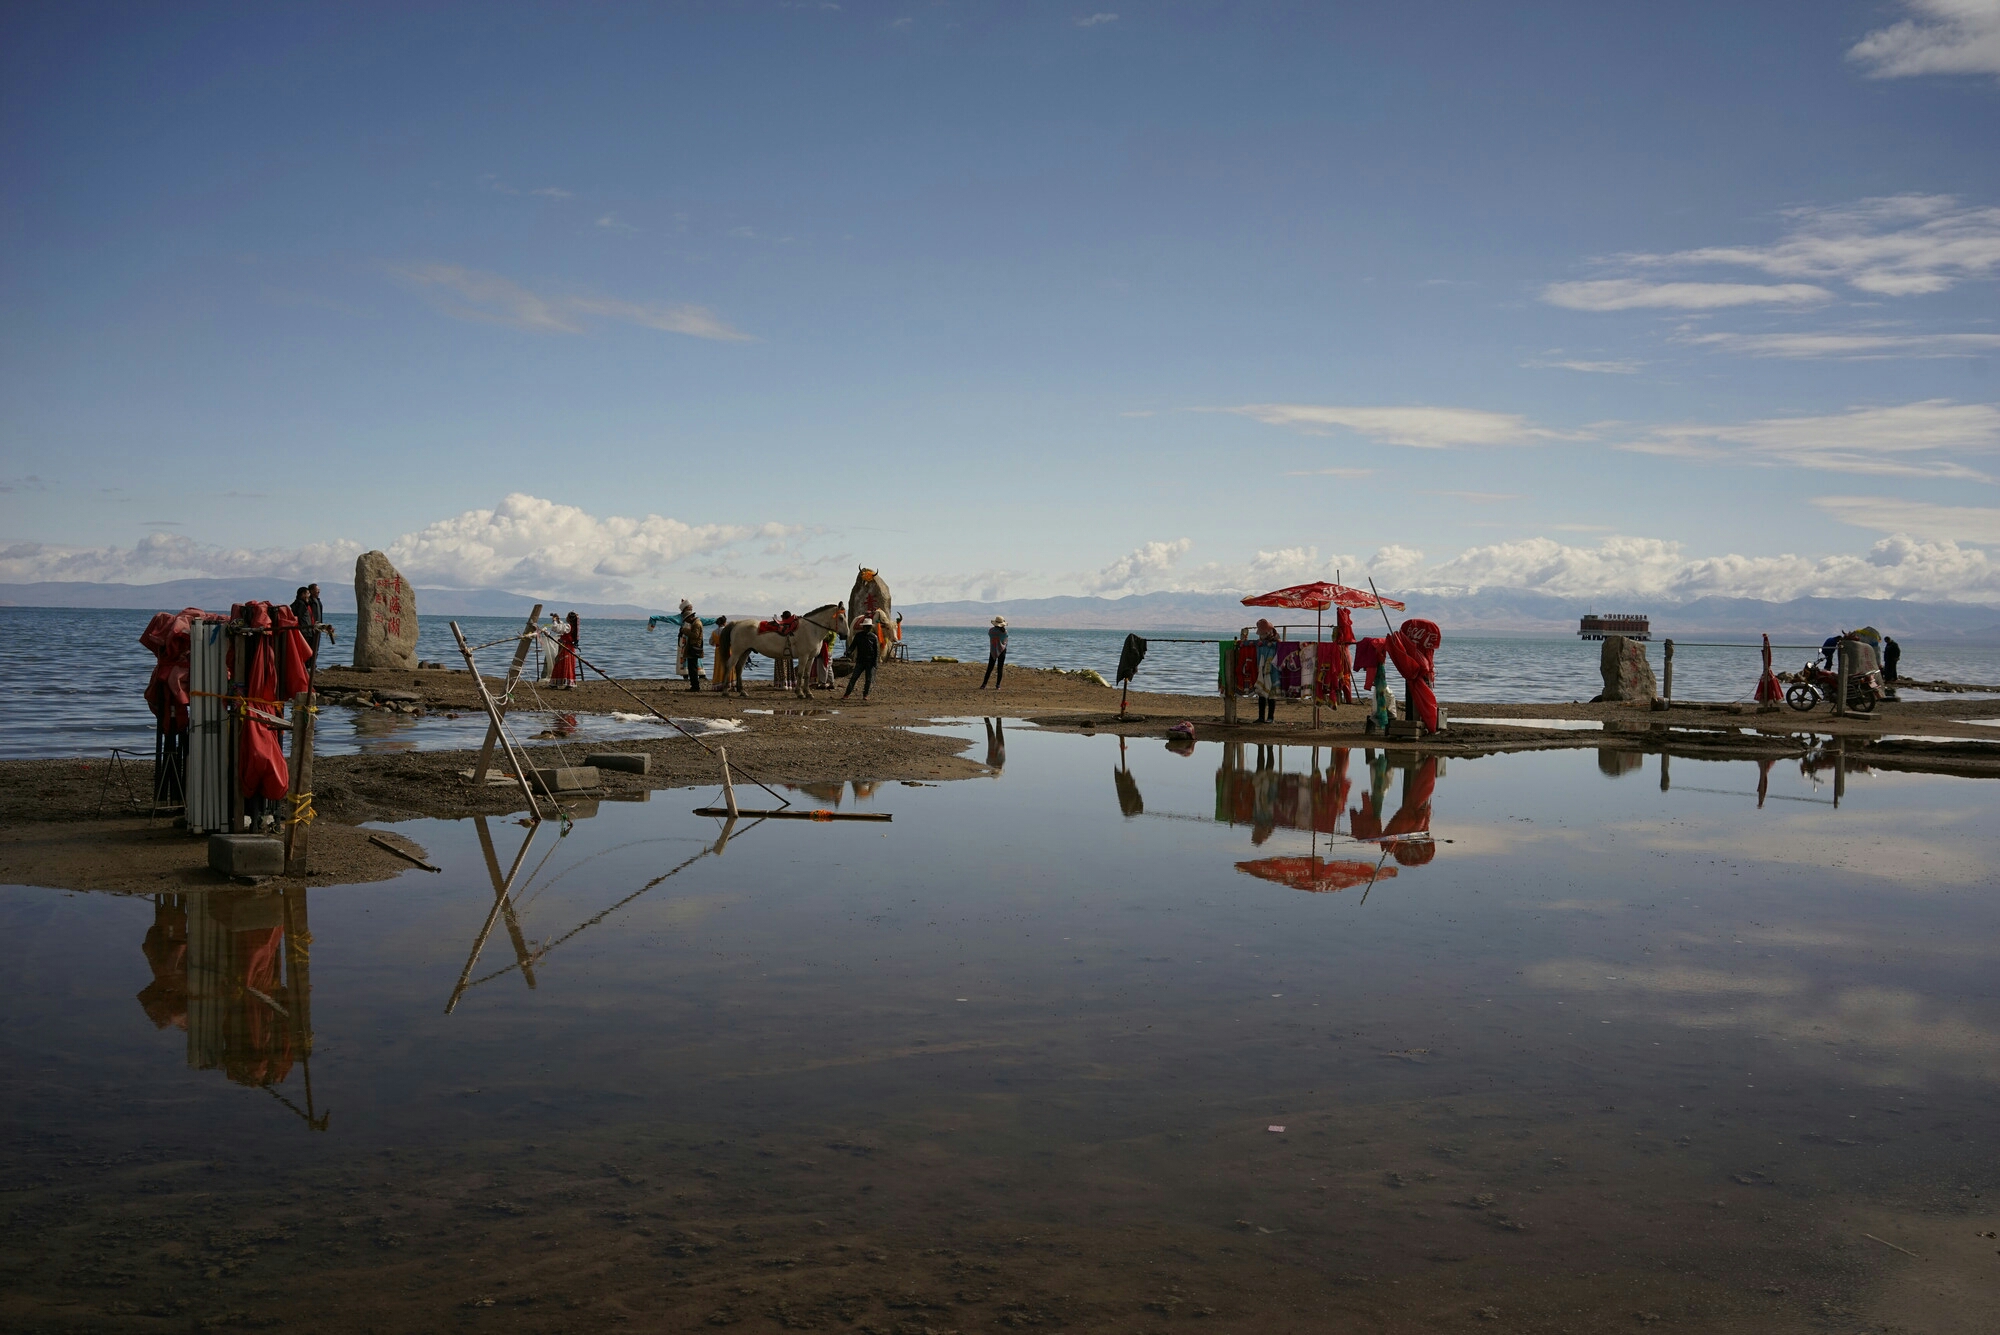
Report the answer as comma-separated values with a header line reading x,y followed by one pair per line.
x,y
493,717
512,918
506,693
728,788
500,903
731,810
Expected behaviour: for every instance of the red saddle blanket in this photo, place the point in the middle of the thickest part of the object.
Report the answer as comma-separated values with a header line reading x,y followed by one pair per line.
x,y
782,626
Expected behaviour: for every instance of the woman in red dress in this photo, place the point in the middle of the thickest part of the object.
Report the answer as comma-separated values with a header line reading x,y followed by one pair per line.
x,y
566,674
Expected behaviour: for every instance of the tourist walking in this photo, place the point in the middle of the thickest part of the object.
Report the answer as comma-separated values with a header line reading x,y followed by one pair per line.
x,y
996,653
867,649
692,649
719,637
567,674
1892,654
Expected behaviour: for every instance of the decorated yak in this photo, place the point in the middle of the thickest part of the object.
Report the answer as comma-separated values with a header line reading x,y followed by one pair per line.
x,y
795,642
870,598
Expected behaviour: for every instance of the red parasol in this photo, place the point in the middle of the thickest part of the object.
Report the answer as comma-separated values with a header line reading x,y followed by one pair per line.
x,y
1768,692
1319,596
1315,875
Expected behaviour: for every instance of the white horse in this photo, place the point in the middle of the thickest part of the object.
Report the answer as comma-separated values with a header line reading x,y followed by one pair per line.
x,y
870,598
798,648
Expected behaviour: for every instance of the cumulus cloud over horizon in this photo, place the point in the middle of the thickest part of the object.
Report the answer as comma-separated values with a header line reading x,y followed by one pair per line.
x,y
525,542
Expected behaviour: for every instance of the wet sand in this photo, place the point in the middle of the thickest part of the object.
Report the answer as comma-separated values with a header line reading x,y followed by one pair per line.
x,y
786,739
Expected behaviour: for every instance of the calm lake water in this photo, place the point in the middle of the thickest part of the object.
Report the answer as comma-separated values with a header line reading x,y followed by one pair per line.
x,y
71,680
1302,1040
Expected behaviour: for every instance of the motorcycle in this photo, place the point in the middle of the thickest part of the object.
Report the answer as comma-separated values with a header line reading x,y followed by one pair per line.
x,y
1816,683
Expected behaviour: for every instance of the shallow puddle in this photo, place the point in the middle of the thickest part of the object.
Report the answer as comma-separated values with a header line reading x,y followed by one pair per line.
x,y
1279,1038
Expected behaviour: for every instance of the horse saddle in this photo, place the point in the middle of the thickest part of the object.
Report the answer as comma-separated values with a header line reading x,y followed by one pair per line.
x,y
782,626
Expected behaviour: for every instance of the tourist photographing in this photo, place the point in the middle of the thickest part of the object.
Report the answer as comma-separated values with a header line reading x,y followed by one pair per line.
x,y
996,653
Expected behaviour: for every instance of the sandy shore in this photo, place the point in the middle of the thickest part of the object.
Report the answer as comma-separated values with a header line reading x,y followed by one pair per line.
x,y
60,830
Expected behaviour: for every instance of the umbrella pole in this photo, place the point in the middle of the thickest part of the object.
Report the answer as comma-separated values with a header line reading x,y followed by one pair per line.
x,y
1319,633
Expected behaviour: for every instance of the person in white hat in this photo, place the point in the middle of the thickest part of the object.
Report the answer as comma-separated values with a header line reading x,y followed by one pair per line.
x,y
867,651
692,650
996,653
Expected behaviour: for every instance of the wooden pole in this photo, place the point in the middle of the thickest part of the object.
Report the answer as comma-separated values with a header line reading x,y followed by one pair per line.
x,y
298,825
506,692
493,714
1667,686
1840,679
728,788
234,732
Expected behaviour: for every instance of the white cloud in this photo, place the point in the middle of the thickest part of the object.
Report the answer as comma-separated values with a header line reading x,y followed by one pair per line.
x,y
1417,427
1945,37
1094,20
611,222
552,192
1903,244
1945,524
488,298
524,543
1139,568
1627,294
1847,345
1899,566
1331,472
1908,440
1621,367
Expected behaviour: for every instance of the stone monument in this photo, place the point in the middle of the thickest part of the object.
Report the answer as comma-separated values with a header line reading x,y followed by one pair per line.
x,y
1627,674
385,620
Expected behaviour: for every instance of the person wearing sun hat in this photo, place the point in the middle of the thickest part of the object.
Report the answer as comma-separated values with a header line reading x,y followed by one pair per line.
x,y
996,653
692,649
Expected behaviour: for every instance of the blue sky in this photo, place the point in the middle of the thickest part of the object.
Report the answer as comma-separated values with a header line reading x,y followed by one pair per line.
x,y
1006,298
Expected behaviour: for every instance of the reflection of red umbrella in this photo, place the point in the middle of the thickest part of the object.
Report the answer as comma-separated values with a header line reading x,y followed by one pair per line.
x,y
1315,875
1767,685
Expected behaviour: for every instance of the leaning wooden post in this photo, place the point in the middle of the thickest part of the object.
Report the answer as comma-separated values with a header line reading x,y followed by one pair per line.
x,y
1229,684
493,714
528,633
1667,683
728,788
298,823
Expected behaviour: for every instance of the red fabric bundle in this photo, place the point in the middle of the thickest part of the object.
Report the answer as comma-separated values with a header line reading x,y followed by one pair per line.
x,y
261,762
1411,649
293,652
1768,690
167,689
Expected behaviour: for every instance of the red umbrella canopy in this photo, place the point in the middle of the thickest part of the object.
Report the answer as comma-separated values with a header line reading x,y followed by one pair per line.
x,y
1313,875
1318,596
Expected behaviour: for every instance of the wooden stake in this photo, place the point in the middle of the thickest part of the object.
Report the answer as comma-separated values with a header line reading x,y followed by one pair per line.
x,y
728,788
493,714
513,675
1667,687
298,828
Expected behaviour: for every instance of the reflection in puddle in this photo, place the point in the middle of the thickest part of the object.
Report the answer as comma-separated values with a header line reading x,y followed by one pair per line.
x,y
1523,1031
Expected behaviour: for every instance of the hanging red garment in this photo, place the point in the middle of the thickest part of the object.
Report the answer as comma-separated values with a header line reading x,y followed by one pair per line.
x,y
261,761
1338,660
1368,655
294,654
1411,649
566,672
1768,690
1414,816
167,636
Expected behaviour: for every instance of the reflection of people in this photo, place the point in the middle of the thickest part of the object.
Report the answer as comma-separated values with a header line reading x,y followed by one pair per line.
x,y
1267,672
566,675
866,650
691,647
996,745
1892,655
996,653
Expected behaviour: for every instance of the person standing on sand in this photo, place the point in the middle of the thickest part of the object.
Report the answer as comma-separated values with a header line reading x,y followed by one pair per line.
x,y
1267,672
866,650
567,674
996,654
692,650
1892,655
719,637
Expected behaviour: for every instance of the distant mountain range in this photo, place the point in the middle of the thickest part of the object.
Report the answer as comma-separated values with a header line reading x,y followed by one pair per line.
x,y
1488,612
1491,612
